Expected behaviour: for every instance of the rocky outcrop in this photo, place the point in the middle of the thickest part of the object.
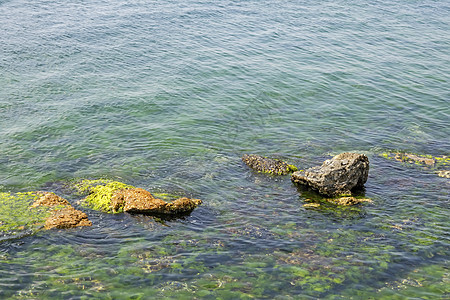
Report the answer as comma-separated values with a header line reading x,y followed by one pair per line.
x,y
113,197
339,175
138,200
61,217
49,199
268,165
67,217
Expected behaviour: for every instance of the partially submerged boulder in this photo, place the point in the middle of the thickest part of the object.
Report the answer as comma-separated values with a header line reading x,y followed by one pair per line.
x,y
63,215
67,217
30,211
138,200
268,165
338,175
49,199
113,196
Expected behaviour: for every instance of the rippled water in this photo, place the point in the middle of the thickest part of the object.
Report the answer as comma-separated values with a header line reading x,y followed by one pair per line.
x,y
167,95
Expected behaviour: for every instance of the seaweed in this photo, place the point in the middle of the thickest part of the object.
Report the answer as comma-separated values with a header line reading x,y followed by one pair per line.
x,y
100,192
17,215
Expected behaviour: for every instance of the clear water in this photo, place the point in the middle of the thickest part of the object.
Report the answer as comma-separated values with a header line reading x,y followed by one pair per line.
x,y
167,95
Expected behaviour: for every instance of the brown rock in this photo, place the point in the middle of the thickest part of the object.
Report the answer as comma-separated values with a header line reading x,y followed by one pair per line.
x,y
141,201
182,205
67,217
335,176
49,199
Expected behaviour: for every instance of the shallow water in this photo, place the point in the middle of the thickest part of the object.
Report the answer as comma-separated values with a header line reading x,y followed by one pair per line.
x,y
168,95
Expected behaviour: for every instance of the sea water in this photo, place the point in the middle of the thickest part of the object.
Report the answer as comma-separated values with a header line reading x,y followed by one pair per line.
x,y
168,95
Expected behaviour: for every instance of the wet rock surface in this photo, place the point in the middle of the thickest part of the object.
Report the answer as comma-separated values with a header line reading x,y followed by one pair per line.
x,y
267,165
338,175
49,199
138,200
67,217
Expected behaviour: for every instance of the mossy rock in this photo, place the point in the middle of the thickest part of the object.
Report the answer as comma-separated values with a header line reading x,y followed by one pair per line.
x,y
268,165
17,215
114,197
100,192
419,159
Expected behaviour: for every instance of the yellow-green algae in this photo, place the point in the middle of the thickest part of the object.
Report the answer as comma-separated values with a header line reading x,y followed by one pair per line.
x,y
100,192
267,165
418,159
16,213
316,200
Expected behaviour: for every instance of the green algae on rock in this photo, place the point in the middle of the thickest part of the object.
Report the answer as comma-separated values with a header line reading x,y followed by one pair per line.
x,y
100,192
114,196
34,210
437,163
418,159
268,165
17,215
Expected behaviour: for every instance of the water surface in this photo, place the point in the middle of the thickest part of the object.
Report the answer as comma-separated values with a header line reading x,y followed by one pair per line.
x,y
167,96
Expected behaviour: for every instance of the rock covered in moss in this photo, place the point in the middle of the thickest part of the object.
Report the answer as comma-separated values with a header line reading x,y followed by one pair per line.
x,y
345,201
113,196
34,210
100,193
437,163
413,158
138,200
338,175
67,217
268,165
17,215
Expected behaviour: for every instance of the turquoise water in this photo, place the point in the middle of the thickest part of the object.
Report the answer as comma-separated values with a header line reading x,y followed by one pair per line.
x,y
168,95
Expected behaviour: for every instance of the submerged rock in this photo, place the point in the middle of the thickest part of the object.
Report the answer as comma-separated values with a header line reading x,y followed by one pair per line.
x,y
413,158
138,200
268,165
348,200
444,173
67,217
437,163
339,175
31,211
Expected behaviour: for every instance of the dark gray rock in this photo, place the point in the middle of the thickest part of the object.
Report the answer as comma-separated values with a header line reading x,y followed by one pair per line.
x,y
339,175
268,165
